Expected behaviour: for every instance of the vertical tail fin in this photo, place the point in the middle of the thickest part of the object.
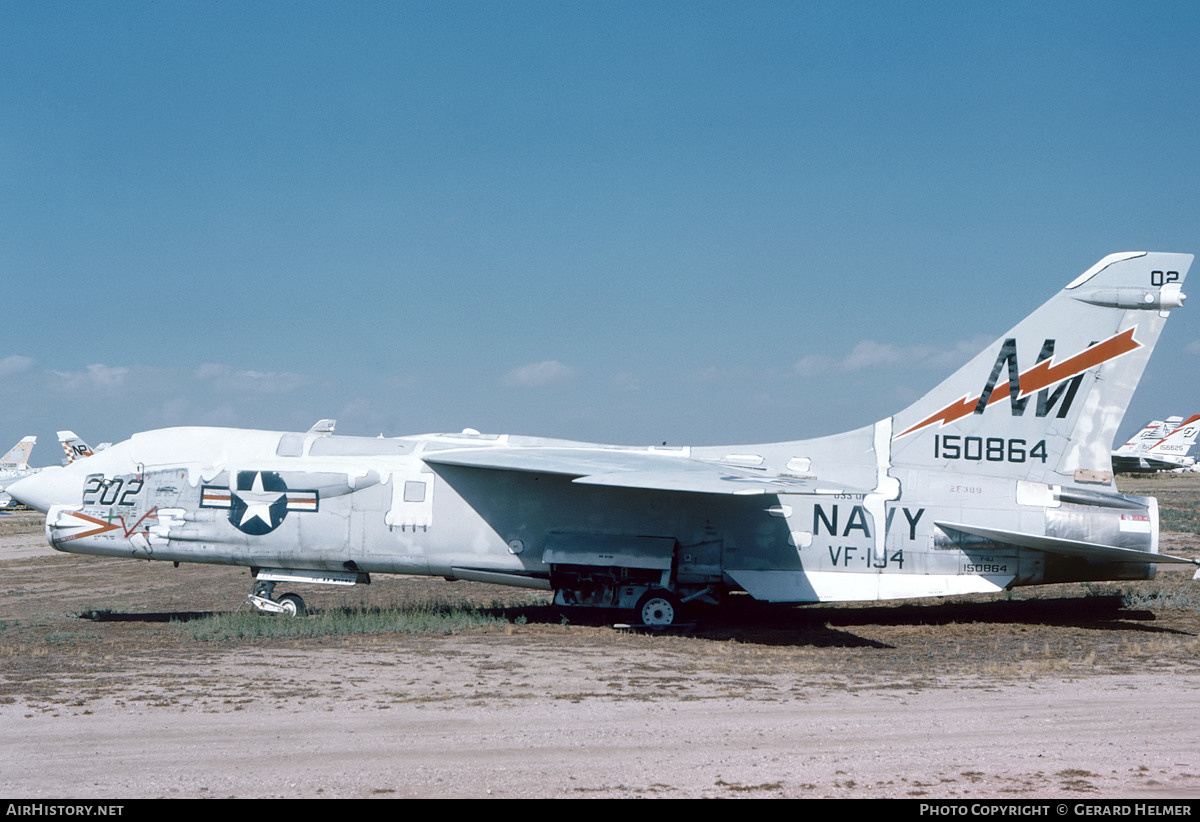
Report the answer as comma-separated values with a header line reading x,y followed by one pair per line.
x,y
73,447
17,457
1044,401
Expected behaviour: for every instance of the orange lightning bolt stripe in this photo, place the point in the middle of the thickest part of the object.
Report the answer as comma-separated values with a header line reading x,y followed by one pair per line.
x,y
105,527
1040,376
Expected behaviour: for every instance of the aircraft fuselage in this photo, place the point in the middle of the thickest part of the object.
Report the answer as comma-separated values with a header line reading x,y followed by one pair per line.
x,y
369,506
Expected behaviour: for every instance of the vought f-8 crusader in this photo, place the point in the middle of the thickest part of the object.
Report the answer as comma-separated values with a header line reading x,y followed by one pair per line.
x,y
999,477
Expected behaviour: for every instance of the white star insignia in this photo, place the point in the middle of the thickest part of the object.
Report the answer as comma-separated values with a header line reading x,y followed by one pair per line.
x,y
258,502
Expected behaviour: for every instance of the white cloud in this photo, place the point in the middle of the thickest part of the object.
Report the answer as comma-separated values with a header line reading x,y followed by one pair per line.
x,y
15,365
869,354
538,374
810,365
225,378
212,370
97,375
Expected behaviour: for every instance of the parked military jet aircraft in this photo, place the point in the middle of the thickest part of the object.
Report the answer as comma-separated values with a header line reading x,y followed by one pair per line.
x,y
1159,446
14,466
999,477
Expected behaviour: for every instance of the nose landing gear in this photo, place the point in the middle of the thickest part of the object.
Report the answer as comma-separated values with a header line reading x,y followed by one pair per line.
x,y
288,604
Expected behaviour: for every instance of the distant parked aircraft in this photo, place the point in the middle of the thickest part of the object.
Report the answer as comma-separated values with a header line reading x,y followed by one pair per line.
x,y
1159,446
14,466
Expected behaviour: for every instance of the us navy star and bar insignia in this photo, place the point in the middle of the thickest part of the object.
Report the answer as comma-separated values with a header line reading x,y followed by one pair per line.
x,y
259,501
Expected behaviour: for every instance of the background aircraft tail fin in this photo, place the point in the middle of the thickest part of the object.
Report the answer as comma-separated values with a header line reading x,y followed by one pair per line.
x,y
1151,433
73,447
1180,441
18,456
1044,401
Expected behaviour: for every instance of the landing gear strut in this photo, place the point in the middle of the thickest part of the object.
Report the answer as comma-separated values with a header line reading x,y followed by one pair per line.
x,y
288,604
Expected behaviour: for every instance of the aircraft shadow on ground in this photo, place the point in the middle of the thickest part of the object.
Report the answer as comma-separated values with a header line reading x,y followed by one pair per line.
x,y
149,616
832,626
762,623
816,624
819,625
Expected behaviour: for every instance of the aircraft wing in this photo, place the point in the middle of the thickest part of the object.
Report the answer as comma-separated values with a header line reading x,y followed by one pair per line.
x,y
637,469
1058,545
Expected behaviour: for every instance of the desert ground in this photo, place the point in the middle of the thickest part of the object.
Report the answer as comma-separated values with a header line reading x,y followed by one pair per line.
x,y
110,688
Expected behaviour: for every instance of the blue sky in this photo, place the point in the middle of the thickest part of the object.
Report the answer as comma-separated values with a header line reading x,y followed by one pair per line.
x,y
633,222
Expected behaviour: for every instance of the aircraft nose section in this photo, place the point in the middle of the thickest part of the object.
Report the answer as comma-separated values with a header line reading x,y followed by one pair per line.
x,y
50,486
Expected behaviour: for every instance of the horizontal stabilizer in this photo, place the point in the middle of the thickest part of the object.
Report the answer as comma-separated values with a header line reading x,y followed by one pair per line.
x,y
634,469
1058,545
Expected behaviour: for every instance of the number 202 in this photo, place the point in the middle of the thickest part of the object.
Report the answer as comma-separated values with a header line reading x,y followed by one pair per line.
x,y
98,492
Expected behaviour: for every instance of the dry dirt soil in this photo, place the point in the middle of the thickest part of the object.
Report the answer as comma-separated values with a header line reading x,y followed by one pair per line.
x,y
1057,692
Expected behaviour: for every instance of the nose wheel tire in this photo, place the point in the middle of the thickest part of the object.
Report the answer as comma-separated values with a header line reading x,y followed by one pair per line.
x,y
292,605
658,609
